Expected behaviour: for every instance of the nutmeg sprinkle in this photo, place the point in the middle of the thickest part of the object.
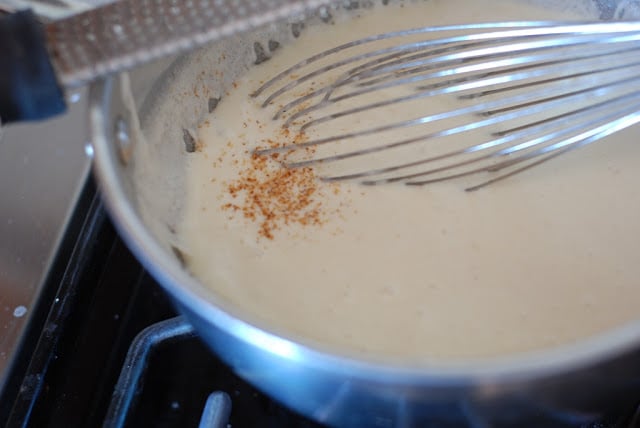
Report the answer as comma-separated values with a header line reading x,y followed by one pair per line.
x,y
275,197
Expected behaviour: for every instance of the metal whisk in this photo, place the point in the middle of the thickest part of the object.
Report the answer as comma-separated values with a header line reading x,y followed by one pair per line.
x,y
434,104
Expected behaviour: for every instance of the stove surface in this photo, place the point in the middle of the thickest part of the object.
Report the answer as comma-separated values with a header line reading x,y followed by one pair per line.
x,y
42,169
43,166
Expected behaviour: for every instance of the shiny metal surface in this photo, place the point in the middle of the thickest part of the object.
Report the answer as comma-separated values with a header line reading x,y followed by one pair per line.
x,y
126,33
216,411
549,87
42,169
569,383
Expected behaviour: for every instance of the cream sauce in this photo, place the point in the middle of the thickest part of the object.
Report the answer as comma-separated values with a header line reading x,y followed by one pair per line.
x,y
545,258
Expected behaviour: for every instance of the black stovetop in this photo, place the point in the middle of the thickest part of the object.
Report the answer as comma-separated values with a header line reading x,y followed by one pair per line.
x,y
98,299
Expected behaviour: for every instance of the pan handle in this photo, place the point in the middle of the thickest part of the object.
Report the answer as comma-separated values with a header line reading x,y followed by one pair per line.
x,y
29,89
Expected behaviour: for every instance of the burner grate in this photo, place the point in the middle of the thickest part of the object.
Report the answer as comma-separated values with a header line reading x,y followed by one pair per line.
x,y
236,404
160,334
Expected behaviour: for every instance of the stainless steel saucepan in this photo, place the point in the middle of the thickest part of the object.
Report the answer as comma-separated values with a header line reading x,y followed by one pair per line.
x,y
142,125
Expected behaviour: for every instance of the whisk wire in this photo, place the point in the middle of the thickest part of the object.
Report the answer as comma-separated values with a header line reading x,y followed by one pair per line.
x,y
540,89
508,136
386,36
450,88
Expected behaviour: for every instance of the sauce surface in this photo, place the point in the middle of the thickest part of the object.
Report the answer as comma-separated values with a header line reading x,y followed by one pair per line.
x,y
548,257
